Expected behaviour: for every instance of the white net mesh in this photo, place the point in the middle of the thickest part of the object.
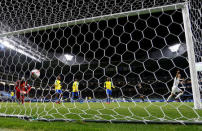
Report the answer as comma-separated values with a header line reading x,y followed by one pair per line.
x,y
140,46
195,14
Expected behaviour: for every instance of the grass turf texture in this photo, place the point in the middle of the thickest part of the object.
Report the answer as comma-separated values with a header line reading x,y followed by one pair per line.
x,y
155,111
9,124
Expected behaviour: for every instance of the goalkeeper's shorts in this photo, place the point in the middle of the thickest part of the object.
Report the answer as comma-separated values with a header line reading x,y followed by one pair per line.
x,y
59,91
109,92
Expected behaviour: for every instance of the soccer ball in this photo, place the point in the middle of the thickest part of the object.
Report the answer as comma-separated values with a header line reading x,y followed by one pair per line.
x,y
35,73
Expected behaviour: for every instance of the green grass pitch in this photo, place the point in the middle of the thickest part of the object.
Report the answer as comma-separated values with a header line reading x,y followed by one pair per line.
x,y
100,111
155,111
15,124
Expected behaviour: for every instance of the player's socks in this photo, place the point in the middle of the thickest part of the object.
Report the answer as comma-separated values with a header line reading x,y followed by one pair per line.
x,y
178,96
169,98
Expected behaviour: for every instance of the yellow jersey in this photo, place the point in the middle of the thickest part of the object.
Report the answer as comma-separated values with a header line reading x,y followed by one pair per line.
x,y
12,93
108,85
58,85
75,87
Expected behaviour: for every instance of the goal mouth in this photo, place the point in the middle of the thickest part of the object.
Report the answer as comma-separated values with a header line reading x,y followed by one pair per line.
x,y
130,63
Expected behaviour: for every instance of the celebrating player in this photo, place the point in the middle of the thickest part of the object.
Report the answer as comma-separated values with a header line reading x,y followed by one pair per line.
x,y
108,85
58,90
22,88
75,89
175,88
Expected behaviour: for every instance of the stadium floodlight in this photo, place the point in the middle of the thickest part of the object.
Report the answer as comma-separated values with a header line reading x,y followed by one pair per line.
x,y
11,46
174,48
68,57
7,44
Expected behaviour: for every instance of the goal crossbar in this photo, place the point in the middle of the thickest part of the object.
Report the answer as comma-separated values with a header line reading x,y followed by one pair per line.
x,y
97,18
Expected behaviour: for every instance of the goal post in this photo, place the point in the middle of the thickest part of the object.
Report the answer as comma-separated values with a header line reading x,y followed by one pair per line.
x,y
191,57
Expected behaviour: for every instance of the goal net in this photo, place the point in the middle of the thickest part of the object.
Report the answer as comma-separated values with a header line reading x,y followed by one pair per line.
x,y
132,61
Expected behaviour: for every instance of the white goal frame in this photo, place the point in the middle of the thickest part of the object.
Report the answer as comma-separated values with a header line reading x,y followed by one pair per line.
x,y
191,57
187,30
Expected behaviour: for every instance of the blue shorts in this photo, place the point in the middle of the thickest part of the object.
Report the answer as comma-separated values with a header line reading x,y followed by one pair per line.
x,y
75,94
59,91
109,92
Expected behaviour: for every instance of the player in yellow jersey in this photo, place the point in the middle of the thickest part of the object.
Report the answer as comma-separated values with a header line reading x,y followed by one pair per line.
x,y
108,85
75,89
58,90
12,95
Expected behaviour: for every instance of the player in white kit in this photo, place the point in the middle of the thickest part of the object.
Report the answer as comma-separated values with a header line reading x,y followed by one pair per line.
x,y
175,88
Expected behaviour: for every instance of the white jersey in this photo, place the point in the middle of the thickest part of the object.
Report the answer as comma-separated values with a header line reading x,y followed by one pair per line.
x,y
176,82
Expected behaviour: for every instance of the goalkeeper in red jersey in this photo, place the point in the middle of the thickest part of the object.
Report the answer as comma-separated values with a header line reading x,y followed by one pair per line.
x,y
22,88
